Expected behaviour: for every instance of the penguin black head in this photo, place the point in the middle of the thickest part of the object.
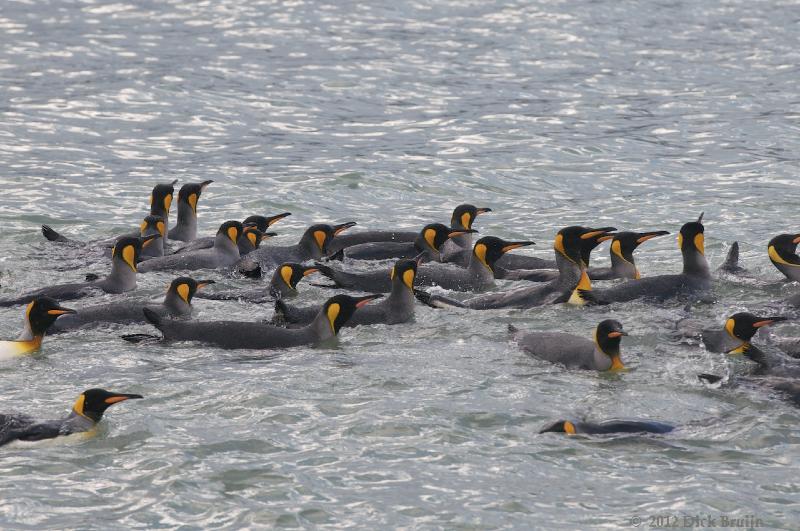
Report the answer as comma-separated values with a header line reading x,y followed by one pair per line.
x,y
153,222
744,325
435,234
161,198
562,426
464,216
691,238
607,336
292,273
128,248
262,223
43,312
783,249
489,249
406,271
575,243
255,236
232,229
186,287
340,309
624,243
92,403
323,233
189,194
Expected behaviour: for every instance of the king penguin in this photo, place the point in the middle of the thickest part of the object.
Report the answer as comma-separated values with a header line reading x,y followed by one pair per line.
x,y
608,427
225,253
40,315
185,228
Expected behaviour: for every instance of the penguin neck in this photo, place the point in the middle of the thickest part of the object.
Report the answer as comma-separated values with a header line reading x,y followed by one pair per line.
x,y
429,254
156,245
187,221
400,294
122,277
75,422
480,270
569,273
159,211
607,357
176,305
321,327
245,246
27,334
624,266
694,263
223,244
465,240
309,248
278,287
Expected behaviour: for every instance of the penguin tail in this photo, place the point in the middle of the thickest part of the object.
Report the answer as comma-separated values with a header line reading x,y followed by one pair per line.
x,y
328,272
588,297
709,378
338,256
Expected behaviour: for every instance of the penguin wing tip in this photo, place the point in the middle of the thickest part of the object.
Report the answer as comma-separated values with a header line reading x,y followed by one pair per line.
x,y
152,317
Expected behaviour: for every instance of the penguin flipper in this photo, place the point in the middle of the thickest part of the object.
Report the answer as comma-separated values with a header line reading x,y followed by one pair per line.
x,y
279,317
731,263
51,235
590,298
338,256
140,338
437,301
709,378
328,272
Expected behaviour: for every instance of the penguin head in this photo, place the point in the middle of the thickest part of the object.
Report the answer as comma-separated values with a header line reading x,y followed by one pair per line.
x,y
189,194
624,243
404,271
254,236
340,308
186,287
607,335
575,243
262,223
232,230
783,249
691,238
291,274
161,198
435,234
43,312
153,224
464,216
92,403
490,249
322,233
127,249
562,426
744,325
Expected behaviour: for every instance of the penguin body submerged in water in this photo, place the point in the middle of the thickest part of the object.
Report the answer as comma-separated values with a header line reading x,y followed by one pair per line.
x,y
40,315
261,223
601,354
478,276
86,413
313,245
248,335
397,308
283,285
428,244
225,253
608,427
177,303
122,278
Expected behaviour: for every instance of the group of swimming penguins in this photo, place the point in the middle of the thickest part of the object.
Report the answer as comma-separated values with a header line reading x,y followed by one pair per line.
x,y
438,255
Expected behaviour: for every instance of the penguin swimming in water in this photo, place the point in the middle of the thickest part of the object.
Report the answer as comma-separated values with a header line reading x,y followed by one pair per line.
x,y
458,250
570,252
122,278
262,223
185,228
730,336
695,278
247,335
40,315
153,226
313,245
177,304
283,285
575,352
160,201
251,239
225,253
782,250
85,414
478,276
743,326
397,308
608,427
623,265
428,243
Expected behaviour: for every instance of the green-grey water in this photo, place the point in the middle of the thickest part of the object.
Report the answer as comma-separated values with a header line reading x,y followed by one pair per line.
x,y
632,114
